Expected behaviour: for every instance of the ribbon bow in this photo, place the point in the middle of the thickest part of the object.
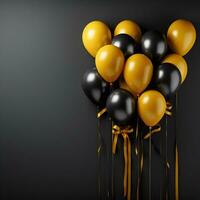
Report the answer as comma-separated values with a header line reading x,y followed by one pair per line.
x,y
116,131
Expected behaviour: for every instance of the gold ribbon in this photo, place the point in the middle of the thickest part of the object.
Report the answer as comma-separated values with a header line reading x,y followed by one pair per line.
x,y
101,112
154,130
150,161
141,164
116,131
99,146
168,109
166,159
176,158
177,174
99,149
137,152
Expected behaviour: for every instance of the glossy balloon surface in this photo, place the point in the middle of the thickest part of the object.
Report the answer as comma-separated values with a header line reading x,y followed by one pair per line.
x,y
126,43
181,36
95,35
154,45
179,62
151,107
109,62
95,88
138,72
129,27
167,79
121,107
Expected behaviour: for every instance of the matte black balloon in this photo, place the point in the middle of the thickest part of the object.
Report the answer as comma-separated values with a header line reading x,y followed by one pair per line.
x,y
126,43
121,107
154,45
95,88
167,79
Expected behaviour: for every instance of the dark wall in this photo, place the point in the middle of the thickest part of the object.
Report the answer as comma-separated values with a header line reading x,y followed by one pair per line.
x,y
48,127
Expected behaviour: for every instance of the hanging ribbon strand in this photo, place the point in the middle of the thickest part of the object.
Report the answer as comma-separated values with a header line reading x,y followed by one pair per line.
x,y
141,163
166,160
168,113
101,112
153,130
177,174
176,156
116,131
99,148
137,152
150,129
168,109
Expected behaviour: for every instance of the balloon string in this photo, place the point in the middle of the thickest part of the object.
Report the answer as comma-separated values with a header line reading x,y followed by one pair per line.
x,y
113,176
141,160
168,109
101,112
151,132
167,166
161,178
112,157
166,158
150,160
99,149
139,155
129,167
137,151
177,174
154,130
176,156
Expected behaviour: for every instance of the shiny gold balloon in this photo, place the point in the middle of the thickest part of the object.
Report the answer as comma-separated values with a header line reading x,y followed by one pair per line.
x,y
130,28
181,36
95,35
123,85
151,107
109,62
179,62
138,72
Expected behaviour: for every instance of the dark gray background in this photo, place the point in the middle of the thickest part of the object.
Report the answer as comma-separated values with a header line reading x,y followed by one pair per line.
x,y
47,126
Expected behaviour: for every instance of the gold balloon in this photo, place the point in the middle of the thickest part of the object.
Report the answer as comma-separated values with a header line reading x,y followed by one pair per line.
x,y
130,28
181,36
138,72
109,62
95,35
179,62
151,107
123,85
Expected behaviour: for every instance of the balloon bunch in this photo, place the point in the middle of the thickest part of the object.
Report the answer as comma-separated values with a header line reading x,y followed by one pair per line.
x,y
135,74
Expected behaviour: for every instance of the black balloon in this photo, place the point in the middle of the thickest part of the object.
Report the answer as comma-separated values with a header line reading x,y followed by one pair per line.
x,y
167,79
96,89
154,45
126,43
121,107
